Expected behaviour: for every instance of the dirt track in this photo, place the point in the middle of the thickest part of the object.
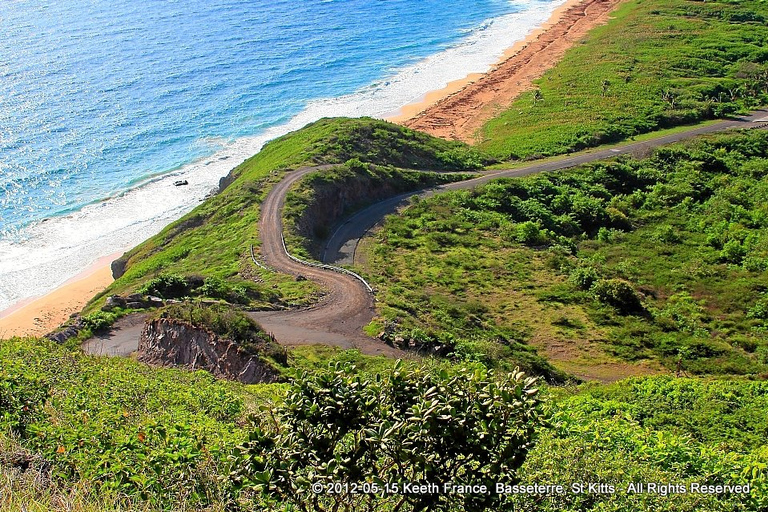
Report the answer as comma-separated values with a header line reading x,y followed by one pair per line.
x,y
341,247
347,306
338,319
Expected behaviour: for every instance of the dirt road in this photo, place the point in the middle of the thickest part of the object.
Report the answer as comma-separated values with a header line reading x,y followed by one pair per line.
x,y
347,306
341,247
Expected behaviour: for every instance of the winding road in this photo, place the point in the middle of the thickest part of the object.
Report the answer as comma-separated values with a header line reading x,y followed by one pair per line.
x,y
347,306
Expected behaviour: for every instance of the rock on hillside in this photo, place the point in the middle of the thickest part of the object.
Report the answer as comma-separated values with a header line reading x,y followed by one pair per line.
x,y
171,342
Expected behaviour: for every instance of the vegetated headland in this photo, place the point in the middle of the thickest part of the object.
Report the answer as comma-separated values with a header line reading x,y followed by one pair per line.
x,y
644,274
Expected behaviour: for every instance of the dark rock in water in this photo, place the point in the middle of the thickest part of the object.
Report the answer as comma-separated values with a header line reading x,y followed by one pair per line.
x,y
172,342
180,183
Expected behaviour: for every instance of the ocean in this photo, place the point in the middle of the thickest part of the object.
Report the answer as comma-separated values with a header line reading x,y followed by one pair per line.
x,y
105,103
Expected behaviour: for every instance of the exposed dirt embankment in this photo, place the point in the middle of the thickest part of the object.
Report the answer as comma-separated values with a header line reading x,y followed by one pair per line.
x,y
171,342
315,208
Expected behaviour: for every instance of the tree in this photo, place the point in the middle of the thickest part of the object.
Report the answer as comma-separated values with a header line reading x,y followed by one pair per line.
x,y
342,441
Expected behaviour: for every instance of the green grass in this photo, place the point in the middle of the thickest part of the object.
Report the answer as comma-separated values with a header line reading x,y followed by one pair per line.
x,y
657,261
665,430
213,241
654,65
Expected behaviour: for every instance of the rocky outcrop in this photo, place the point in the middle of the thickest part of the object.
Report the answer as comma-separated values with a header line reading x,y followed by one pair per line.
x,y
135,301
68,331
172,342
118,266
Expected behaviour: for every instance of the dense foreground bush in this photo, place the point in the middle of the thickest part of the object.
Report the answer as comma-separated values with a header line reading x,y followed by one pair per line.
x,y
346,442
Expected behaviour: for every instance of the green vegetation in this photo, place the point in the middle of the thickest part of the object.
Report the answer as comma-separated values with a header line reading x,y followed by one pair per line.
x,y
664,430
207,252
656,64
126,430
660,259
465,428
322,199
94,434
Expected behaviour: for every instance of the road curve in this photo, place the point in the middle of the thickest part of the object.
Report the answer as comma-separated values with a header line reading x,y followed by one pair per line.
x,y
338,318
347,306
342,246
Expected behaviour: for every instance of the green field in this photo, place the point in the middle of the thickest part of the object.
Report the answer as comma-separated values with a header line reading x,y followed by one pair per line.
x,y
644,264
656,64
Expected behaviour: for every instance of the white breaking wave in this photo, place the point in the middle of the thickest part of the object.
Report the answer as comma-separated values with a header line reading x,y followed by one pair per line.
x,y
55,250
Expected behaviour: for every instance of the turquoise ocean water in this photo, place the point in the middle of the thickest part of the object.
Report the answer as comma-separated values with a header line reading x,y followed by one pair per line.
x,y
104,103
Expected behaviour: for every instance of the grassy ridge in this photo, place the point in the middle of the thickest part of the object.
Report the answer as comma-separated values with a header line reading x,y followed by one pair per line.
x,y
213,241
656,64
322,199
659,260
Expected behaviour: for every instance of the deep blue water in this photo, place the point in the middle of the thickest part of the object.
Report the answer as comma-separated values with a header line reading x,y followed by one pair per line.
x,y
98,95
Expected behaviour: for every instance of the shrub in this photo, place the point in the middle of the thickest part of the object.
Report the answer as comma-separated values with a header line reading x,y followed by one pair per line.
x,y
529,233
99,321
759,310
733,252
21,400
584,277
619,294
167,286
468,427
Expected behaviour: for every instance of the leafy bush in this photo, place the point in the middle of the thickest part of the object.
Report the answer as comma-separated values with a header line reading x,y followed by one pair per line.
x,y
759,310
99,321
733,252
167,286
21,401
469,427
584,277
619,294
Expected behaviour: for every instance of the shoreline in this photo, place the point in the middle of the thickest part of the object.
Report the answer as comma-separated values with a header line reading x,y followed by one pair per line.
x,y
40,315
412,110
459,110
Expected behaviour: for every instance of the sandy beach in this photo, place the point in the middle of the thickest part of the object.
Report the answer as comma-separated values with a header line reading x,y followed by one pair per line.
x,y
42,315
459,110
454,112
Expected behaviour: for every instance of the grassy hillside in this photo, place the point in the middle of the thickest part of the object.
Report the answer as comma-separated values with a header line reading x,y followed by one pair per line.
x,y
655,261
96,434
207,252
656,64
323,199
